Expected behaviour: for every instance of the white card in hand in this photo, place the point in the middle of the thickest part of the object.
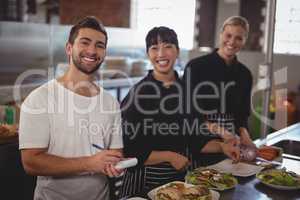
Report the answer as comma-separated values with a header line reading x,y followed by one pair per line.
x,y
126,163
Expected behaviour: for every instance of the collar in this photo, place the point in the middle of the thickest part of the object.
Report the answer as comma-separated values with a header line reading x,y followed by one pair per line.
x,y
218,57
150,77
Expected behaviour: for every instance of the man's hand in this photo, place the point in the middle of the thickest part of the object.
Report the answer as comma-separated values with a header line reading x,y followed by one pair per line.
x,y
178,161
103,161
111,171
231,149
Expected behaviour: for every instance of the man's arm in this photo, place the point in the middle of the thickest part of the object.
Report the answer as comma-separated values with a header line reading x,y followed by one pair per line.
x,y
39,162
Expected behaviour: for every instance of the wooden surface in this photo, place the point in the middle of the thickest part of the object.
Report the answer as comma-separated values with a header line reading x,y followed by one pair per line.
x,y
114,13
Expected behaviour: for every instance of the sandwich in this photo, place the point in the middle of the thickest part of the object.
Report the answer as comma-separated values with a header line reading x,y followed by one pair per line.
x,y
196,193
168,193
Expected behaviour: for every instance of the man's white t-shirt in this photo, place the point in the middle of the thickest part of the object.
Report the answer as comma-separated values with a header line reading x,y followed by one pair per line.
x,y
67,124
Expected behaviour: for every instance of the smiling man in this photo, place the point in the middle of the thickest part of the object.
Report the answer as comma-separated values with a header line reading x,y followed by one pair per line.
x,y
70,135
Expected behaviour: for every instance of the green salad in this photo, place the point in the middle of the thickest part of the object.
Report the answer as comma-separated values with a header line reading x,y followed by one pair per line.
x,y
279,177
211,178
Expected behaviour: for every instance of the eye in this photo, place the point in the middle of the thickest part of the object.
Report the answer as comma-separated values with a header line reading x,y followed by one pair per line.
x,y
100,46
228,36
153,47
239,38
168,46
84,42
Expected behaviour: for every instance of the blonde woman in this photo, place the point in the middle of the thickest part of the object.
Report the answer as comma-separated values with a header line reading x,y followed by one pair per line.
x,y
223,84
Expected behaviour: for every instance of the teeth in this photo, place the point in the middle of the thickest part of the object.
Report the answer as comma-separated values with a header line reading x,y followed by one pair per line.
x,y
162,62
89,59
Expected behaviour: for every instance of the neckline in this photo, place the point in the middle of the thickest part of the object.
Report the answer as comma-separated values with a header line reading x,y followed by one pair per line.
x,y
76,94
151,77
234,60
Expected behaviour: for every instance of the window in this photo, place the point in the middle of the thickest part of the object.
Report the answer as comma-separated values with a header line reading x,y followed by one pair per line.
x,y
176,14
287,27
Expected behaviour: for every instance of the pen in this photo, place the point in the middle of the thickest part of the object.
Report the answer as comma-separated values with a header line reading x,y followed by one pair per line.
x,y
97,147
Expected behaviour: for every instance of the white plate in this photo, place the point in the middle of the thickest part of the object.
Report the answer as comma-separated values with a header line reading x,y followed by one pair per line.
x,y
238,169
215,195
280,187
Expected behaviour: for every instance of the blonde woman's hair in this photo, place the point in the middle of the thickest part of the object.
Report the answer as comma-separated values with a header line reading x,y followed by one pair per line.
x,y
237,21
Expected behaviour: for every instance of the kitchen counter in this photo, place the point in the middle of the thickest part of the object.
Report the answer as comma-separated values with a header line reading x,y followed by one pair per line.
x,y
250,188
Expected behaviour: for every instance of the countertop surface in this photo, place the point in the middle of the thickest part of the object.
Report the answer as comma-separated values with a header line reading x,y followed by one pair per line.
x,y
250,188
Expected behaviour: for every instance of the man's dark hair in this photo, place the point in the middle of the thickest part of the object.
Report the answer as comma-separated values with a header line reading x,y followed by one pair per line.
x,y
87,22
161,34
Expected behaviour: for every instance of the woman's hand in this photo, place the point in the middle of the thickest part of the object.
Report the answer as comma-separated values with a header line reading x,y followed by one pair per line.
x,y
245,138
231,149
178,161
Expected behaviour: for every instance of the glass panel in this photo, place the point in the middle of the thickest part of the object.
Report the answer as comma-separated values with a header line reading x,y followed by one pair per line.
x,y
287,31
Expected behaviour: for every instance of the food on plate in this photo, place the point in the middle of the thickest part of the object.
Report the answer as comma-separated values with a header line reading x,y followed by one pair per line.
x,y
168,193
196,193
178,191
3,130
8,130
268,152
211,178
279,177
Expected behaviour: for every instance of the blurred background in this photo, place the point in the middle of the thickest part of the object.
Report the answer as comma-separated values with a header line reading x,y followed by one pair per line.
x,y
33,34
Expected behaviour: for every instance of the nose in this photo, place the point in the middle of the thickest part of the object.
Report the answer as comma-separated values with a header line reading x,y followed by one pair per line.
x,y
161,51
231,40
91,49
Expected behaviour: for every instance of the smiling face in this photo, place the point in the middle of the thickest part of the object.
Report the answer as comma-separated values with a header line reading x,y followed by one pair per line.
x,y
88,50
163,57
232,40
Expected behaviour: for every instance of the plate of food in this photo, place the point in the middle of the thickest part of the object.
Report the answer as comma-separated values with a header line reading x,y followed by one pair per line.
x,y
211,178
279,179
8,133
270,153
236,169
182,191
